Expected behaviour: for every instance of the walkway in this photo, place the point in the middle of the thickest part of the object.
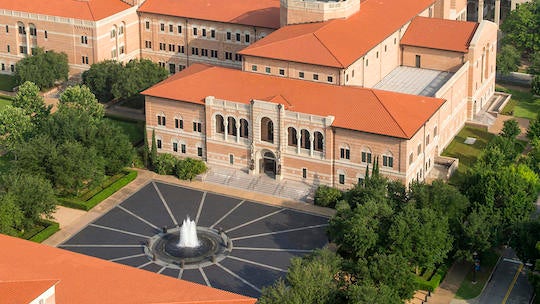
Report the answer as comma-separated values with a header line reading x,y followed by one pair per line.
x,y
72,224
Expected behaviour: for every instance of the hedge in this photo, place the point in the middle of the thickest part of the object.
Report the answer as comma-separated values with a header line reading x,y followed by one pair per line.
x,y
78,203
50,229
434,281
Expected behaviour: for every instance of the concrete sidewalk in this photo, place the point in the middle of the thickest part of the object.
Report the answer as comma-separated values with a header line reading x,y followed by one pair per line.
x,y
445,293
72,221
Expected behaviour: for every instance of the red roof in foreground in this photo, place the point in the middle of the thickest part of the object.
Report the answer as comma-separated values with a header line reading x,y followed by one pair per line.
x,y
338,42
18,292
367,110
88,280
92,10
441,34
263,13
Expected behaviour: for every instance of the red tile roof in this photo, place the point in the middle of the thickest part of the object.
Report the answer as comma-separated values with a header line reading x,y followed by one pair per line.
x,y
263,13
19,292
367,110
88,280
92,10
441,34
338,42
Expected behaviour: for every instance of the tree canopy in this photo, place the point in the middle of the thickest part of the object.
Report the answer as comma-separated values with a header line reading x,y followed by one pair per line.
x,y
42,68
522,27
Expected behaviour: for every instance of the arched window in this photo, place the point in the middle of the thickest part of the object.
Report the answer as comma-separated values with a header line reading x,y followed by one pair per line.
x,y
345,152
22,29
305,139
319,141
388,160
292,137
32,29
366,155
267,130
231,126
244,128
220,124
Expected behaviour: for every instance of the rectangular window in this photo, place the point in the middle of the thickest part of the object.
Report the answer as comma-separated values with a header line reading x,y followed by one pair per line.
x,y
148,44
435,131
158,143
162,27
300,74
161,120
267,70
179,29
237,36
228,35
178,123
419,149
194,31
199,151
366,157
388,161
231,159
84,39
175,147
315,76
194,51
8,48
181,49
228,55
23,49
342,179
204,52
22,30
281,72
45,34
147,25
330,79
204,32
214,53
3,67
171,28
304,173
196,126
213,33
7,28
417,62
411,158
254,68
183,148
427,140
247,38
33,31
12,68
237,57
345,153
113,33
84,59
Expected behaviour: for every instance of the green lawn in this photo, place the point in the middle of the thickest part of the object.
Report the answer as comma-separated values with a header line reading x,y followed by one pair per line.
x,y
4,100
522,104
468,290
7,83
134,129
467,154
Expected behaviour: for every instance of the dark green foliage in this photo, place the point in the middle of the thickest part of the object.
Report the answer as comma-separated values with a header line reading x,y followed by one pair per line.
x,y
508,59
153,150
533,157
114,146
522,28
327,196
189,168
534,129
136,76
11,216
368,293
510,129
534,68
165,164
535,85
100,78
145,151
81,98
29,99
432,282
50,229
42,68
525,238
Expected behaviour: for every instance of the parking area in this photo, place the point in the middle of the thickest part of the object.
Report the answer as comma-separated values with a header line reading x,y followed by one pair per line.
x,y
264,237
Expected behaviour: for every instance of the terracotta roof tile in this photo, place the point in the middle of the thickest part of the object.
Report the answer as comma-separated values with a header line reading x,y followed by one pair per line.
x,y
263,13
441,34
367,110
23,292
88,280
338,42
92,10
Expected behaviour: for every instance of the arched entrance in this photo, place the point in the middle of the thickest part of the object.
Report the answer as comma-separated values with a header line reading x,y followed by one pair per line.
x,y
268,164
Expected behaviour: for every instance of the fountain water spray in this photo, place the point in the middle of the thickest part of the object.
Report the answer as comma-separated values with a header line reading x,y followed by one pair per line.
x,y
188,234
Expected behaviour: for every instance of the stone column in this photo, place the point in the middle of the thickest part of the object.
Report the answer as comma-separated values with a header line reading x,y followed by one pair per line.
x,y
497,17
237,126
480,10
27,36
226,124
298,141
311,144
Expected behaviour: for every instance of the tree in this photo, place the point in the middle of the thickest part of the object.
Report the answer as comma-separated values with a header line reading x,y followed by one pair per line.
x,y
15,127
137,75
31,102
522,27
367,292
35,155
525,238
146,150
535,85
420,235
32,193
309,280
153,151
508,59
534,68
100,78
11,216
510,129
113,146
534,128
391,270
327,196
82,98
478,233
533,157
42,68
189,168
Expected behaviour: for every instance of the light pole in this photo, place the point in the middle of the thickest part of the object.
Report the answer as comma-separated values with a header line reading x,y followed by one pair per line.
x,y
475,266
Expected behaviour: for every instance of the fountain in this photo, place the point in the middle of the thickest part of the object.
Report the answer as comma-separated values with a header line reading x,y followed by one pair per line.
x,y
188,234
188,246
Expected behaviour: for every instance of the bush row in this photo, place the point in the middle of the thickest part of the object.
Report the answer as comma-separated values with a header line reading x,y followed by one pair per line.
x,y
185,169
78,203
432,283
50,229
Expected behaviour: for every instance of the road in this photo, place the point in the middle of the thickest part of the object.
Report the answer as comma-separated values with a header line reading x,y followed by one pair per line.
x,y
509,283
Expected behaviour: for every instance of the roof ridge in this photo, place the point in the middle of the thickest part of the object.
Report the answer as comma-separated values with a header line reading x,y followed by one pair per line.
x,y
324,45
90,9
389,113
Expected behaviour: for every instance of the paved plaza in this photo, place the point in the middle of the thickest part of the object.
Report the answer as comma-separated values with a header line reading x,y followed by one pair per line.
x,y
264,237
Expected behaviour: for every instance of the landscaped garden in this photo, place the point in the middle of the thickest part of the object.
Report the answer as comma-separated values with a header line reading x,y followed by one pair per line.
x,y
468,289
7,82
522,104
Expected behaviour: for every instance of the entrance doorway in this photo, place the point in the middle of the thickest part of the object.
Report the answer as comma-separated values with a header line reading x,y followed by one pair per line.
x,y
269,164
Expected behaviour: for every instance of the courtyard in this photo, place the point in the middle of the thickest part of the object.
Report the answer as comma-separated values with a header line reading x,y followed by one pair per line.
x,y
264,238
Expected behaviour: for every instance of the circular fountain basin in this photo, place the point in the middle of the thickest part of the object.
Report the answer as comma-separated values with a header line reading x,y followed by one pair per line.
x,y
213,247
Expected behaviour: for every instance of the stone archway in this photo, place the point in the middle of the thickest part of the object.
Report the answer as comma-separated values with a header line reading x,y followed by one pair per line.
x,y
268,163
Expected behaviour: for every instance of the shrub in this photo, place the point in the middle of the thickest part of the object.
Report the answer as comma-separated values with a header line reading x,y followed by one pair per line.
x,y
165,164
189,168
50,229
327,196
434,281
535,85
